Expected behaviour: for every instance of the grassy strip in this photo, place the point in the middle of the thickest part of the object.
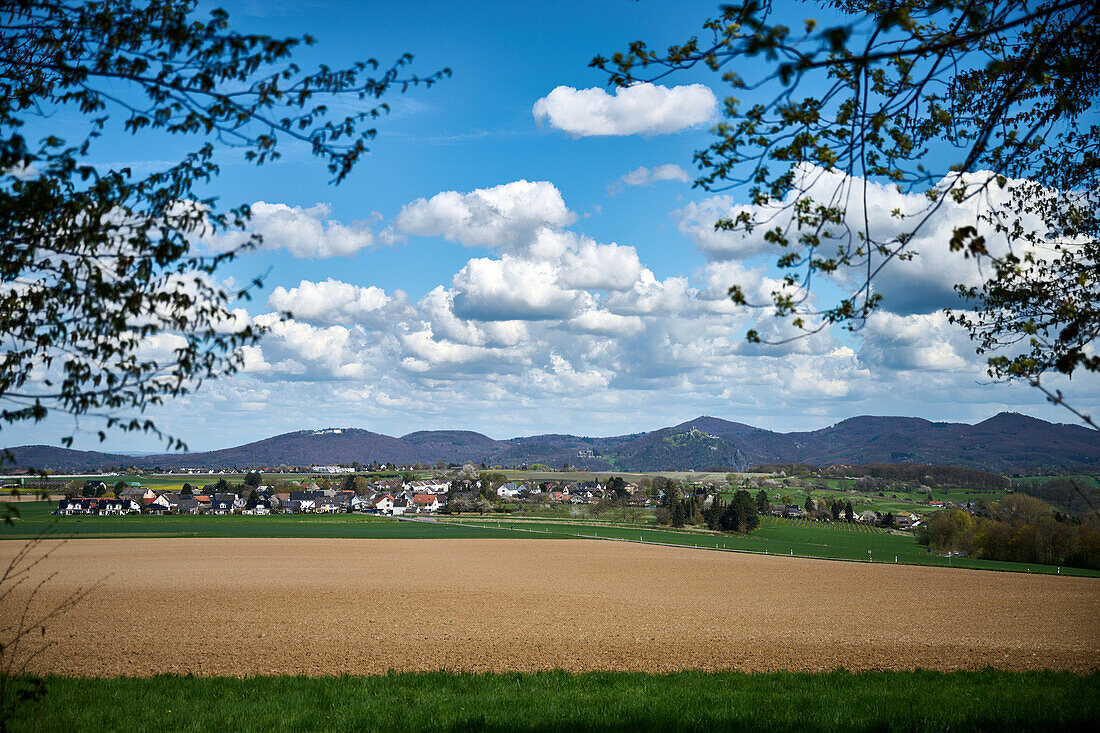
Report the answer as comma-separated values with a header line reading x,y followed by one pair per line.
x,y
800,538
598,701
35,518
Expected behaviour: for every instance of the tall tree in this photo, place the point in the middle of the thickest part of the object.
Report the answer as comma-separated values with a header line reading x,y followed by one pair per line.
x,y
984,103
712,515
677,511
740,514
763,506
617,486
97,263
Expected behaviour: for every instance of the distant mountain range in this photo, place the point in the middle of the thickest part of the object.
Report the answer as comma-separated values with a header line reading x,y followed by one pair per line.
x,y
1008,443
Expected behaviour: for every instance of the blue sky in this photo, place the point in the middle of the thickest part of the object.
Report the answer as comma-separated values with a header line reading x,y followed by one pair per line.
x,y
494,269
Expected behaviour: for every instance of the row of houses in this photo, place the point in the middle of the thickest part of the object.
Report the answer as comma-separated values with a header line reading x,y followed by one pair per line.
x,y
566,493
902,520
162,503
309,501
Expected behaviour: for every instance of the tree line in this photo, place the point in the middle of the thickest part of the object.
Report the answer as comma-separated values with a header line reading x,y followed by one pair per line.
x,y
740,514
1018,528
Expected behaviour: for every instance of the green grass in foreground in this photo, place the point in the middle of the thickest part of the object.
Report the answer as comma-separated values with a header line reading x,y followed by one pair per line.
x,y
599,701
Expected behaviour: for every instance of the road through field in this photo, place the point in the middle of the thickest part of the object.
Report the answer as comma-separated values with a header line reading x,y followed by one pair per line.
x,y
331,606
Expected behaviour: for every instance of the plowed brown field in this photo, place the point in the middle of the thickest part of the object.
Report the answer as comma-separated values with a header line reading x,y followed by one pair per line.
x,y
321,607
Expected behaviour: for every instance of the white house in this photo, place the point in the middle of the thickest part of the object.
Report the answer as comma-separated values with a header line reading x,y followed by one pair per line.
x,y
509,490
161,501
429,486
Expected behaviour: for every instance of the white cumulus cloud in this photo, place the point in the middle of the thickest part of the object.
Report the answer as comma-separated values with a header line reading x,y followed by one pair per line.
x,y
511,288
328,302
640,109
921,342
592,266
923,284
308,232
696,222
605,323
509,214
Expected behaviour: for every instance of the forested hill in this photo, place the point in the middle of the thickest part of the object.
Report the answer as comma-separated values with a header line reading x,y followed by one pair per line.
x,y
1007,443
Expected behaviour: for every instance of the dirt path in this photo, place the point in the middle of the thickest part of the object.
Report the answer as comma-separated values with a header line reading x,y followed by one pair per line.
x,y
316,607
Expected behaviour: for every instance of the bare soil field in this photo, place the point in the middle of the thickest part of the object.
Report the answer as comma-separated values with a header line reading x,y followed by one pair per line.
x,y
332,606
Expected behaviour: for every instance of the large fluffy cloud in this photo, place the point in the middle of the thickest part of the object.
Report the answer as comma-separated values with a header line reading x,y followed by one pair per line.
x,y
509,214
511,288
308,232
921,343
922,284
330,301
696,222
304,351
641,109
593,266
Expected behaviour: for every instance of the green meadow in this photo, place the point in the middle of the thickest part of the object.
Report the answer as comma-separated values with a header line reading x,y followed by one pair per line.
x,y
557,701
776,536
36,518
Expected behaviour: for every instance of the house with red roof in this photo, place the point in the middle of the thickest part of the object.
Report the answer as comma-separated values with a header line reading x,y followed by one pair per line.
x,y
426,502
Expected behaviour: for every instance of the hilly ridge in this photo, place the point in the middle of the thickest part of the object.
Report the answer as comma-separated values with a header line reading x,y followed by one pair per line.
x,y
1006,443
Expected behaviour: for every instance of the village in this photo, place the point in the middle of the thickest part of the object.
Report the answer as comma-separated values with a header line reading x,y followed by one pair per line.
x,y
395,497
389,497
